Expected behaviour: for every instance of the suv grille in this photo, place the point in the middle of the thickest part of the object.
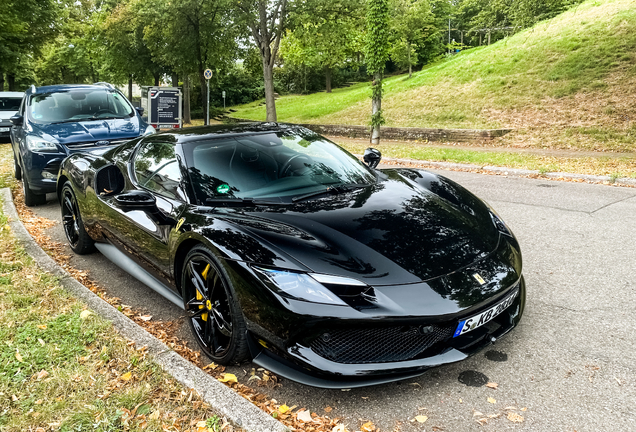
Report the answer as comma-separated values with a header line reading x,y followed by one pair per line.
x,y
378,345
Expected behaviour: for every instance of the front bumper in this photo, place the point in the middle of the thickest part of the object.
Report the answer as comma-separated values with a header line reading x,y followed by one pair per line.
x,y
303,364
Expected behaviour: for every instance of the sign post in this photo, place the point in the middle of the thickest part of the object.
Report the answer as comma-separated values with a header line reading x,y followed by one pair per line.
x,y
208,74
223,93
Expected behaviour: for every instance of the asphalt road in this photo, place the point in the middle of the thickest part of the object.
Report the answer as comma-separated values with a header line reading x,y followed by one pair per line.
x,y
571,363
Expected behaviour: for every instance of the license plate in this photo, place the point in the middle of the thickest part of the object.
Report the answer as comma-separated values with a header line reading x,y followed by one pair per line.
x,y
476,321
165,126
5,129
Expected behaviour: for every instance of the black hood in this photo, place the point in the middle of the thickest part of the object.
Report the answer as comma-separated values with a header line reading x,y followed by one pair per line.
x,y
393,232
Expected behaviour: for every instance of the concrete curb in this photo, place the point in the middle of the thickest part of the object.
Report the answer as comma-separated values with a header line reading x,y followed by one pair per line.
x,y
513,172
223,399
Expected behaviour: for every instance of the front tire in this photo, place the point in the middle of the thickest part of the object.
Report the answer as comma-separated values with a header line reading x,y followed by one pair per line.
x,y
212,310
31,198
77,237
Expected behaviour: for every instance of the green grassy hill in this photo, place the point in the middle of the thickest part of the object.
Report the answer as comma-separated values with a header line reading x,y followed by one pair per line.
x,y
569,82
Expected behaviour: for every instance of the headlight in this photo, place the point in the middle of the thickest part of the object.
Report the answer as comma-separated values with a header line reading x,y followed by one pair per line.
x,y
150,130
303,286
40,145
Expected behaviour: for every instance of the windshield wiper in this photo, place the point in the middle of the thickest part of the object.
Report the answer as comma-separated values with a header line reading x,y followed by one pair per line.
x,y
105,118
241,202
338,189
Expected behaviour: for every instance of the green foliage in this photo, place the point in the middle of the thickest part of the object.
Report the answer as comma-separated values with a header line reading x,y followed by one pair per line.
x,y
412,23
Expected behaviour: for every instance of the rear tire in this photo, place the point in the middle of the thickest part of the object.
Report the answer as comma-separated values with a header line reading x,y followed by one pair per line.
x,y
78,238
31,198
17,169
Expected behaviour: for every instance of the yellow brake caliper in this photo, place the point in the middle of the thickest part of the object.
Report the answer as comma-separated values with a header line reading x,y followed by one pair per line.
x,y
204,316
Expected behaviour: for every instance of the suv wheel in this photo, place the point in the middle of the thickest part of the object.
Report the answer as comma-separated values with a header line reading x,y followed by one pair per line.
x,y
31,198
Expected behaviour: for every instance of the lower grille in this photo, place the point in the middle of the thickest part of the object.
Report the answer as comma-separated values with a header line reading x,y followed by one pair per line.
x,y
379,345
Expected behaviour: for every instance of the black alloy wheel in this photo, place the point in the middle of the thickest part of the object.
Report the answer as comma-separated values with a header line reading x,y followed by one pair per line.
x,y
77,237
31,198
215,317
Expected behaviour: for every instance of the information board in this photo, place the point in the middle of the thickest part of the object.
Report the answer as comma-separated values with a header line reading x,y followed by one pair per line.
x,y
163,106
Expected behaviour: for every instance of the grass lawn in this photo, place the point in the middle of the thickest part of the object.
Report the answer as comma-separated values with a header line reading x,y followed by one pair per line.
x,y
569,82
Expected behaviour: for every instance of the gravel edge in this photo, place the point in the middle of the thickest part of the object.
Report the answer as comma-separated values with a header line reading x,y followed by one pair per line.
x,y
514,172
222,399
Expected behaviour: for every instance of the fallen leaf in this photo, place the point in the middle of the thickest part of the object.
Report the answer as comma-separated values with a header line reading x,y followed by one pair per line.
x,y
228,377
339,428
14,398
40,429
283,409
210,366
155,415
41,342
18,356
491,400
524,409
510,408
515,418
328,409
477,414
492,385
367,427
85,314
145,317
304,416
42,327
42,374
127,376
421,418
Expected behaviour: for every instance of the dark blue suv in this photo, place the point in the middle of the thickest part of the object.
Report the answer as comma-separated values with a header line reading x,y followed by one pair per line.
x,y
55,121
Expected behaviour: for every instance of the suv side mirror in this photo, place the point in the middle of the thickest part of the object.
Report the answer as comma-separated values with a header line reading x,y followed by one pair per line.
x,y
372,157
17,120
140,110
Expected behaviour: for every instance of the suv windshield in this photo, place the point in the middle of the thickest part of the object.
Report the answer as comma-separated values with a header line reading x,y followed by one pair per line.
x,y
10,103
78,105
282,164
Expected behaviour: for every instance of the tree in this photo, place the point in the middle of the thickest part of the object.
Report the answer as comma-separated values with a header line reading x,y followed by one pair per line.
x,y
377,54
324,34
266,21
412,21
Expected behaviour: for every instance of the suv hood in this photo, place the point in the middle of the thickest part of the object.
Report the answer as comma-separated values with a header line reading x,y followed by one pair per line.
x,y
90,131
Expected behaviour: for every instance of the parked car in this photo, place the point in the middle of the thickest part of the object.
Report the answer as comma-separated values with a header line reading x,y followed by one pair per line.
x,y
55,121
285,249
9,106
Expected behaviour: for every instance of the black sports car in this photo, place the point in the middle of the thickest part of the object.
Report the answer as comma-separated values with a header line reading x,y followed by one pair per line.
x,y
284,248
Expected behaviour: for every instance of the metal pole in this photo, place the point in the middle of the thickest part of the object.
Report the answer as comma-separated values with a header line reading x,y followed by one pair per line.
x,y
208,110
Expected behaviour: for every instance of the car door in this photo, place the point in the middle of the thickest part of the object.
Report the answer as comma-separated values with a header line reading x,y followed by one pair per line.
x,y
145,234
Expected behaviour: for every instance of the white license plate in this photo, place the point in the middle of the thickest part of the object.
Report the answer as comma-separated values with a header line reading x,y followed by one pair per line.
x,y
5,129
476,321
165,126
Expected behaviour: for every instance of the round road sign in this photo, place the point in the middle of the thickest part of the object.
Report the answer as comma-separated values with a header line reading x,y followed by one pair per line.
x,y
207,74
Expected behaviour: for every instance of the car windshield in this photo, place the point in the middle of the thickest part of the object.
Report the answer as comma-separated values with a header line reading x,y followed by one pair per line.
x,y
280,165
10,103
78,105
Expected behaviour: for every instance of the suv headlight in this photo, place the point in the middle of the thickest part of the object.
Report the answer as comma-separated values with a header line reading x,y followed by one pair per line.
x,y
150,130
304,286
40,145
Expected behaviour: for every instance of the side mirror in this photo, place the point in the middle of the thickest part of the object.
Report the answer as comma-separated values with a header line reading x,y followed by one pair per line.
x,y
372,157
136,200
17,120
140,110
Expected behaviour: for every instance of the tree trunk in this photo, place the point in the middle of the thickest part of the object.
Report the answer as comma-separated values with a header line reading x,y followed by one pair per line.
x,y
268,78
175,80
204,95
130,82
1,80
11,81
156,79
328,79
187,118
408,46
376,106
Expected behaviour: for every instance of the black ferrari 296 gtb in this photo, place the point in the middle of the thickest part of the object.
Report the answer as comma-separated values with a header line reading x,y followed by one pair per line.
x,y
285,249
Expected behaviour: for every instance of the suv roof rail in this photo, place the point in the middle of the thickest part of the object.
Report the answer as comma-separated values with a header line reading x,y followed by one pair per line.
x,y
105,84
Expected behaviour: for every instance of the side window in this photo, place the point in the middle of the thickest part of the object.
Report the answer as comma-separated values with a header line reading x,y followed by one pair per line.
x,y
157,169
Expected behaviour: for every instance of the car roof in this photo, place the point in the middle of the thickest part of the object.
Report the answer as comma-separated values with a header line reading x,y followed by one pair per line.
x,y
200,133
66,87
11,94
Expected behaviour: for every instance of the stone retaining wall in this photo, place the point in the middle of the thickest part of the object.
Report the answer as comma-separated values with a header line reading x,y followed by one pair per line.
x,y
395,133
